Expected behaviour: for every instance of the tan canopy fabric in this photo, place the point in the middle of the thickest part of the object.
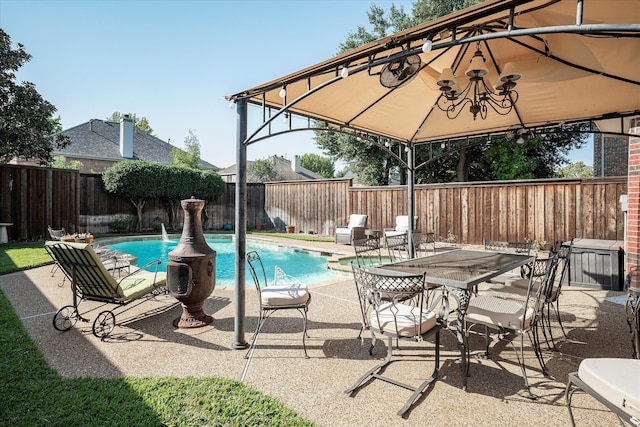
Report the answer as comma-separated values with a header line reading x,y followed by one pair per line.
x,y
569,72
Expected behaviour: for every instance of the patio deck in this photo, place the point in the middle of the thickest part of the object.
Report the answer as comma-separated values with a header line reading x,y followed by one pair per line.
x,y
150,345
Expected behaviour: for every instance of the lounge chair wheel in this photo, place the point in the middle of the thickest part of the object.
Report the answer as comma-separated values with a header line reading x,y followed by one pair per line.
x,y
104,324
65,318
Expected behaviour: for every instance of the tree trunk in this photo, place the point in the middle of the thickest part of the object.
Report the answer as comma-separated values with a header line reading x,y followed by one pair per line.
x,y
139,204
462,173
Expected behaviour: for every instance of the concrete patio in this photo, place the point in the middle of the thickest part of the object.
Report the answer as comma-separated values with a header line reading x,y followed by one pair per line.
x,y
146,344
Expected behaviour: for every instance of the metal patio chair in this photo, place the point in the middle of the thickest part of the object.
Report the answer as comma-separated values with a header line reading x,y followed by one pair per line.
x,y
367,252
286,293
397,308
517,315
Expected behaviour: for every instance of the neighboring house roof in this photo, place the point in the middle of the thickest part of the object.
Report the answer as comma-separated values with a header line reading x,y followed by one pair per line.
x,y
284,168
100,139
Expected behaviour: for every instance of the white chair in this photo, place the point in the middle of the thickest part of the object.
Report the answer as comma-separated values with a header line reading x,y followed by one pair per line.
x,y
292,295
401,227
613,382
396,307
354,230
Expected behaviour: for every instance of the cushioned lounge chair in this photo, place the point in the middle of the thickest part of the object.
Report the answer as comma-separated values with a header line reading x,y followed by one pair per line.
x,y
354,230
613,382
91,281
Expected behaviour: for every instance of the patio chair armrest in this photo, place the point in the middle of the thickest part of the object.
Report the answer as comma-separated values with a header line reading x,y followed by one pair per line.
x,y
157,263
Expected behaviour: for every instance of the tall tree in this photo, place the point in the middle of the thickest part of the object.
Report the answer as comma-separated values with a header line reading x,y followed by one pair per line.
x,y
321,165
27,127
142,123
190,156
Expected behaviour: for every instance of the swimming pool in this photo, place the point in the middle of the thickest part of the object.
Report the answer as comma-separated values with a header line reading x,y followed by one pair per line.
x,y
308,267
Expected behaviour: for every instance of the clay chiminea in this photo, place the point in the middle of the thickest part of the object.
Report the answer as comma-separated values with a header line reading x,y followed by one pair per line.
x,y
191,271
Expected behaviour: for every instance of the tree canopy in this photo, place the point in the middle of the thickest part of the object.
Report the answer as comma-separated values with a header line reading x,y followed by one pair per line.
x,y
140,123
27,127
190,156
319,164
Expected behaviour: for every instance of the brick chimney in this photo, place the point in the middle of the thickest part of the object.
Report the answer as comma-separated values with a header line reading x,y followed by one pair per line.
x,y
126,137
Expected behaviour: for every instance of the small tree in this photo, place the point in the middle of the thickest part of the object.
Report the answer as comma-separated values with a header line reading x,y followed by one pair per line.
x,y
61,162
183,182
142,124
138,181
263,170
190,157
576,170
210,187
321,165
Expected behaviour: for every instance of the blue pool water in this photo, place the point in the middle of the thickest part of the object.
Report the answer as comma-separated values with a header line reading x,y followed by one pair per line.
x,y
305,266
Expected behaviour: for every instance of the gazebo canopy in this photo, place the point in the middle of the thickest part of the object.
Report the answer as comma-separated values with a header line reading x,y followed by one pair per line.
x,y
571,61
579,61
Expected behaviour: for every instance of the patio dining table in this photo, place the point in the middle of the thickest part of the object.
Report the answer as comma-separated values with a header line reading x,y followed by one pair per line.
x,y
460,271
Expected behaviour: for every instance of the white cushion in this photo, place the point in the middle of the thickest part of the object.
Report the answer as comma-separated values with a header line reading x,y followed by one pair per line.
x,y
402,222
499,311
276,296
406,317
357,220
518,283
616,380
343,230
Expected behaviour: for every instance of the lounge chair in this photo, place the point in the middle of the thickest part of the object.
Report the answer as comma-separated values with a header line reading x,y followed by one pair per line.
x,y
613,382
91,281
354,230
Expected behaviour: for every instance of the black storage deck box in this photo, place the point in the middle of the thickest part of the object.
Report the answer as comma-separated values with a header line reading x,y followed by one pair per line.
x,y
598,264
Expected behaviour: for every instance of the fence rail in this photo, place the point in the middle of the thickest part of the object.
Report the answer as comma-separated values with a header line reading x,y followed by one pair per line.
x,y
544,210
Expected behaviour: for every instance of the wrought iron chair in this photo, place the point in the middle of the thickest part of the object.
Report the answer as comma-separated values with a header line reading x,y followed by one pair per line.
x,y
286,293
56,235
91,281
397,246
523,248
612,381
520,316
367,252
421,243
397,308
553,298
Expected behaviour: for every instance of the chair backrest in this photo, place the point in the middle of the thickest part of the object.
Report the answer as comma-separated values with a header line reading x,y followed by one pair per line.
x,y
256,268
398,246
421,243
357,220
367,252
523,247
402,222
378,291
81,264
542,279
56,234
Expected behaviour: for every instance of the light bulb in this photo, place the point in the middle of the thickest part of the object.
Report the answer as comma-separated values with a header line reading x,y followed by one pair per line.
x,y
283,92
520,141
426,47
232,104
286,118
345,72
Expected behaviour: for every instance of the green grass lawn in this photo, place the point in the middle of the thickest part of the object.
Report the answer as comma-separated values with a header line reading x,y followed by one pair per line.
x,y
33,394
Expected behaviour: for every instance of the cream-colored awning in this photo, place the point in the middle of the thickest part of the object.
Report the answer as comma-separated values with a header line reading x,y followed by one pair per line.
x,y
579,60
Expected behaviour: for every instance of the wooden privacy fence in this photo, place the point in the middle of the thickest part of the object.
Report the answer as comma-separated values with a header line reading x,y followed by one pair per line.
x,y
544,210
540,210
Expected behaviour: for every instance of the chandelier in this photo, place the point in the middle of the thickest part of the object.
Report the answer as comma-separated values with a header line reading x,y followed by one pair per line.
x,y
477,93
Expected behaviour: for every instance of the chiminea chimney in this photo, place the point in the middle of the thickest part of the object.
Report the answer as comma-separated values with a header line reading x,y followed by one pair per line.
x,y
126,137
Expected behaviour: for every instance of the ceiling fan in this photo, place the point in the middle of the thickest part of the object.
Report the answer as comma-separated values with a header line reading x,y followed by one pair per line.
x,y
400,72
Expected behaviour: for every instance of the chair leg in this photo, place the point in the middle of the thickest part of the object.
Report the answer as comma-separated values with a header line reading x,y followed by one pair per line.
x,y
556,308
371,372
261,321
568,394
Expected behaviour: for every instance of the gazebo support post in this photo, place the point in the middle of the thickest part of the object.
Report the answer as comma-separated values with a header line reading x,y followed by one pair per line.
x,y
239,342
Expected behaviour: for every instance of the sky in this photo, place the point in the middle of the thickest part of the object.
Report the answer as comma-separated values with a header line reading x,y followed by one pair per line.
x,y
174,62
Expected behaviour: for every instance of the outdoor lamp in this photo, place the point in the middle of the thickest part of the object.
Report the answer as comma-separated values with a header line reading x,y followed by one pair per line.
x,y
477,93
345,72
